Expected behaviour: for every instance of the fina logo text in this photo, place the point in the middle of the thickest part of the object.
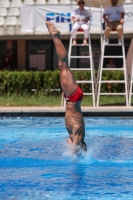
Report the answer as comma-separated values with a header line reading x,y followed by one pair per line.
x,y
58,17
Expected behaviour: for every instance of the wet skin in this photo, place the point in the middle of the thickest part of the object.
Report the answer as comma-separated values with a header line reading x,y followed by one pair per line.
x,y
73,118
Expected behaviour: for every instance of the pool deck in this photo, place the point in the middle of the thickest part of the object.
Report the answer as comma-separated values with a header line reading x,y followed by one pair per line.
x,y
102,111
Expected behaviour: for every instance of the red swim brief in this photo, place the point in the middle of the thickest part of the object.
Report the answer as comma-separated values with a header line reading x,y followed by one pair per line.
x,y
76,96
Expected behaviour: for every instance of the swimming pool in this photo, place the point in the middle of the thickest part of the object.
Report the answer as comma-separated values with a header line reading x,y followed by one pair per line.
x,y
35,162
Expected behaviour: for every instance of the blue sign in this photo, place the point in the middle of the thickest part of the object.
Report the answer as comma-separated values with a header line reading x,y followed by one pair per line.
x,y
58,17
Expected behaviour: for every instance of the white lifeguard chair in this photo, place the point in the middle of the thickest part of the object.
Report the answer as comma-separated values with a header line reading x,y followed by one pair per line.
x,y
130,70
91,80
101,68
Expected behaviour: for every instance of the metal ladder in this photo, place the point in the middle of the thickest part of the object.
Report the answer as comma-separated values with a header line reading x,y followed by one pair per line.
x,y
131,85
116,69
91,69
131,79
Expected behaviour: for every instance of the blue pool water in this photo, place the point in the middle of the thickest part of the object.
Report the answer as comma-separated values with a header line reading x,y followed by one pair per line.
x,y
36,164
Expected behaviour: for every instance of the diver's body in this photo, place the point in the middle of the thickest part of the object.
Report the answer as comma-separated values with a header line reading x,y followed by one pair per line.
x,y
72,93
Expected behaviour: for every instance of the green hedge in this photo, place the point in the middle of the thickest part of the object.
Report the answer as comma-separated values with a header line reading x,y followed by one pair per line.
x,y
113,87
27,82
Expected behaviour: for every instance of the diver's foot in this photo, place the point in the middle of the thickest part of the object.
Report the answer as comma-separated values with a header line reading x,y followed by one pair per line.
x,y
52,29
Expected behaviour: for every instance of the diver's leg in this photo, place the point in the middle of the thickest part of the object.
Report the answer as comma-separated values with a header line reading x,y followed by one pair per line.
x,y
68,82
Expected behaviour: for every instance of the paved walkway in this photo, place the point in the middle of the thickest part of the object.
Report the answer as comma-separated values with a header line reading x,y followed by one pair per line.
x,y
60,111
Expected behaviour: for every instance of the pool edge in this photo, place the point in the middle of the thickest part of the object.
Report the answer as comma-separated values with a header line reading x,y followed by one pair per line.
x,y
36,111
